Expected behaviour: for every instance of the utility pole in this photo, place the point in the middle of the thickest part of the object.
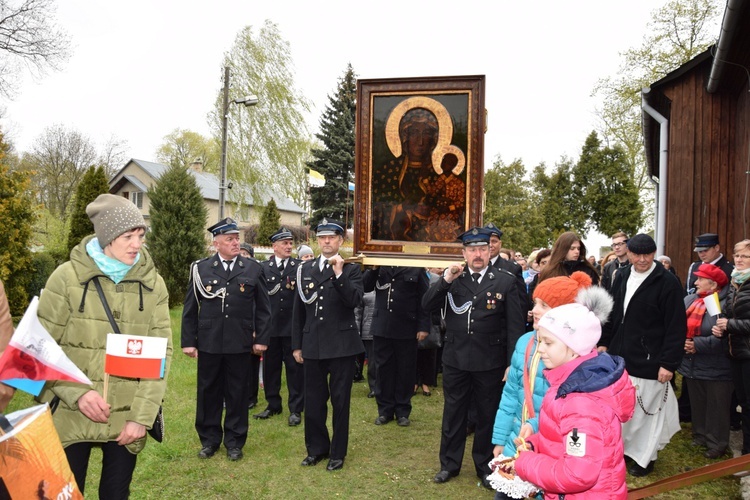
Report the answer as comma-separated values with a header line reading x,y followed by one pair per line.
x,y
224,113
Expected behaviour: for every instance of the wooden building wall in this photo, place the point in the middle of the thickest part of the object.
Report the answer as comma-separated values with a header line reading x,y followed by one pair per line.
x,y
707,160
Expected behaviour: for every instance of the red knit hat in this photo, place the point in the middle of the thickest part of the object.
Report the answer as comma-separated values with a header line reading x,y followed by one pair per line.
x,y
562,289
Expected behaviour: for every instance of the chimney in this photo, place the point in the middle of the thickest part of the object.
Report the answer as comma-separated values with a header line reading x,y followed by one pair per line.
x,y
197,164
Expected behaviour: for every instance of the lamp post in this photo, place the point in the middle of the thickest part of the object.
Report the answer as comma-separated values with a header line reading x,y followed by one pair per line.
x,y
248,101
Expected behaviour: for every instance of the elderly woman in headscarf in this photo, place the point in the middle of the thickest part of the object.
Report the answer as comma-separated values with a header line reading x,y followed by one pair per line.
x,y
705,366
70,308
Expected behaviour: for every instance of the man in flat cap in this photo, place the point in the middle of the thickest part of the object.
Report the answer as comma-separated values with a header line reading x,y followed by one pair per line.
x,y
709,252
325,338
281,278
227,316
647,328
483,320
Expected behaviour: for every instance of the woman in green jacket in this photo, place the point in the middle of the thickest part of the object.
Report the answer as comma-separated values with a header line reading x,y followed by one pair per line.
x,y
71,310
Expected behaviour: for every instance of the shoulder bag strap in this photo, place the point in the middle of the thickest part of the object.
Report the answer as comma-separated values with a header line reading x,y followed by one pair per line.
x,y
99,290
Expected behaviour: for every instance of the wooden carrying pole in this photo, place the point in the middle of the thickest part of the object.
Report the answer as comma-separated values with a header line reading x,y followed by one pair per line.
x,y
695,476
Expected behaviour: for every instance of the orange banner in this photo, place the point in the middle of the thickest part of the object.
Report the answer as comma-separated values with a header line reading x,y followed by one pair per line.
x,y
32,460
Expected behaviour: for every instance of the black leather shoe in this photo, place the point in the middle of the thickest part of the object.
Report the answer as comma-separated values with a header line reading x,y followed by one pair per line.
x,y
371,394
636,470
294,419
234,454
266,413
335,464
403,421
208,451
313,459
444,476
381,420
486,483
714,454
250,406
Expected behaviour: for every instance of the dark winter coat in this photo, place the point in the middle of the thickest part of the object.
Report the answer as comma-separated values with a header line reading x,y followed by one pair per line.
x,y
710,361
651,335
738,324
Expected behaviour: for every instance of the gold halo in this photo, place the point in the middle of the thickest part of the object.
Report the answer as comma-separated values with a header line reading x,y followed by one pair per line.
x,y
445,132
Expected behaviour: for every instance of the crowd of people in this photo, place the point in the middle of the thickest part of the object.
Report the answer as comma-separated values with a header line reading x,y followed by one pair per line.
x,y
562,365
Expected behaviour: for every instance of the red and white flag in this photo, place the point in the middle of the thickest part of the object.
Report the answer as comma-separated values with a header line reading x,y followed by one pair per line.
x,y
135,356
34,355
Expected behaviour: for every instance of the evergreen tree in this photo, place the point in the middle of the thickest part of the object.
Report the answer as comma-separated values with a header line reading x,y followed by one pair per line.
x,y
336,159
93,184
511,206
609,192
177,235
270,222
559,199
16,219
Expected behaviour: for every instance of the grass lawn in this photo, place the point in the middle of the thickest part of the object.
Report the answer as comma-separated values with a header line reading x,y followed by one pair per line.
x,y
383,461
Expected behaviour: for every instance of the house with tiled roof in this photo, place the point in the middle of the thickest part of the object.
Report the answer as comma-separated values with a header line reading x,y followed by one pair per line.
x,y
137,176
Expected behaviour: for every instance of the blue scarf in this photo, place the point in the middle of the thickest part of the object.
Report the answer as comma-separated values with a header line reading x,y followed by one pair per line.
x,y
113,268
739,277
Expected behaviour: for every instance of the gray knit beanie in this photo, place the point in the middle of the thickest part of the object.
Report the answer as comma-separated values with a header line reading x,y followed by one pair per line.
x,y
304,250
113,215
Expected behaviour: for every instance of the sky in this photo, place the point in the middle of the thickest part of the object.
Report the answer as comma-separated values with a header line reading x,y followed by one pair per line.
x,y
140,69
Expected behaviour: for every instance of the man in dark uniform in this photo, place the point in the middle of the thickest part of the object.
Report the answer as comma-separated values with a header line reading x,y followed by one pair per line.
x,y
398,323
247,250
483,320
497,261
325,338
226,302
281,278
709,252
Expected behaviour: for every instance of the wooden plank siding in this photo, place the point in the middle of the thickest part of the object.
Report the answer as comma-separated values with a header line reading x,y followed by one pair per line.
x,y
707,160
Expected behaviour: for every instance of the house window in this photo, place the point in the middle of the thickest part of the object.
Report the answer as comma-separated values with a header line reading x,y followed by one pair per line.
x,y
137,198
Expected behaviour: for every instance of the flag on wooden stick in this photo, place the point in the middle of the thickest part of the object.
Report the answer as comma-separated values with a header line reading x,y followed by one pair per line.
x,y
135,356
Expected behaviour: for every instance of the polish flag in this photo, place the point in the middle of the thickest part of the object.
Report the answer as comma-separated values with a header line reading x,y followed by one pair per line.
x,y
33,354
135,356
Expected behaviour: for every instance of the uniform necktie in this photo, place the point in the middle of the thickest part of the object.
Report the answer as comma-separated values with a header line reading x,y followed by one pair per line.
x,y
476,277
229,266
281,267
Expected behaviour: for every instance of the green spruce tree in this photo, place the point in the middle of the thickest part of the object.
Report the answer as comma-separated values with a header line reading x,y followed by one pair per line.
x,y
16,219
609,193
336,159
511,206
93,184
269,223
177,235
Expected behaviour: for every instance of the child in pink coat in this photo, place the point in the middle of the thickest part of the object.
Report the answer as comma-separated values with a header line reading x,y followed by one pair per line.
x,y
578,450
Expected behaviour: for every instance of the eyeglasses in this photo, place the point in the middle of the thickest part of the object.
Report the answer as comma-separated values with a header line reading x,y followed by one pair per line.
x,y
618,245
740,256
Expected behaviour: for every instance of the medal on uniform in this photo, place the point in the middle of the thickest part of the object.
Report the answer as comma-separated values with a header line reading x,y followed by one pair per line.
x,y
208,288
312,285
242,287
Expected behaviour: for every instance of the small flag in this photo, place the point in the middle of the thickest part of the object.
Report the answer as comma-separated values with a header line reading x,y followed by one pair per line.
x,y
351,186
135,356
316,179
713,306
33,354
33,387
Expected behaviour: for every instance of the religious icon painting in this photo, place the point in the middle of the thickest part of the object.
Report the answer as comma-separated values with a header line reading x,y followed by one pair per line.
x,y
419,164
